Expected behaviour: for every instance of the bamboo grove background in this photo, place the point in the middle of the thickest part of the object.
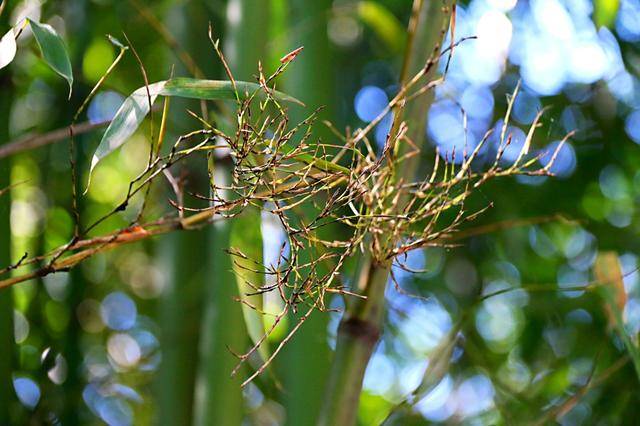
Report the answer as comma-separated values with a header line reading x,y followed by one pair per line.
x,y
511,324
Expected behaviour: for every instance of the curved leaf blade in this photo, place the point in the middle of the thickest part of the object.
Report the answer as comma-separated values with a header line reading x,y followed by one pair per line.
x,y
126,121
136,107
53,50
8,48
213,90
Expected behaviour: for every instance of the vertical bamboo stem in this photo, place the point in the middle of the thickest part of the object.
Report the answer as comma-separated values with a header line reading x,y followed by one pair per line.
x,y
185,257
6,295
78,285
7,355
358,334
311,78
219,397
361,325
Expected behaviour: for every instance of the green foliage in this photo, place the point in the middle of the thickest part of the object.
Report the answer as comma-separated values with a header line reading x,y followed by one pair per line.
x,y
503,299
50,43
611,288
53,50
136,107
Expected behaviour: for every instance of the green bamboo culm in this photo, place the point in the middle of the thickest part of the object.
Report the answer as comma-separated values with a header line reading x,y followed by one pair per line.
x,y
6,295
361,326
306,358
184,258
219,397
7,355
180,315
78,284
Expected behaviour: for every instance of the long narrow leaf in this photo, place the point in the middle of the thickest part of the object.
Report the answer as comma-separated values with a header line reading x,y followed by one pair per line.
x,y
136,107
609,275
53,50
217,90
127,120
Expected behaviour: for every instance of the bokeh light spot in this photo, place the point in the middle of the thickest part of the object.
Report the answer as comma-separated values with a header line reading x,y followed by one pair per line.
x,y
118,311
28,391
370,101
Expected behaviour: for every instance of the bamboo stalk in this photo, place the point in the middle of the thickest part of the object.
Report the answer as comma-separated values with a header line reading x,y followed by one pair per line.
x,y
183,259
358,335
184,256
312,78
7,342
219,397
361,325
78,288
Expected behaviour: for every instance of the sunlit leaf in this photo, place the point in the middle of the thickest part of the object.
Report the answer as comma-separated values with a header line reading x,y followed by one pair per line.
x,y
7,48
605,12
246,240
610,282
373,409
127,120
53,50
383,23
136,107
216,90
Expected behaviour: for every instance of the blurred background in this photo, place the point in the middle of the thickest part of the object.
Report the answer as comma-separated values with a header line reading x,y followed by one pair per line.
x,y
141,335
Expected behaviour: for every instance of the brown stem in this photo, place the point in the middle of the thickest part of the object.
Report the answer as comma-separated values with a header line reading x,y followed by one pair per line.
x,y
35,141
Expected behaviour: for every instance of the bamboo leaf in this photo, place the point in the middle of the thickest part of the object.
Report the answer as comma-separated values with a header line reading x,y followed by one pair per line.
x,y
218,90
136,107
126,121
53,50
383,23
7,48
246,239
609,275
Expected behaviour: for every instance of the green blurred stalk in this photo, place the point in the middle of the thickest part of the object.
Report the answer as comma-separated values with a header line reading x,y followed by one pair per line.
x,y
7,341
361,326
306,358
246,38
78,284
185,258
219,397
184,261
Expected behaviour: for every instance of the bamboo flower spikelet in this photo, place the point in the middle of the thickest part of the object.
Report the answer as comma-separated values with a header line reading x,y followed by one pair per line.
x,y
337,213
278,167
